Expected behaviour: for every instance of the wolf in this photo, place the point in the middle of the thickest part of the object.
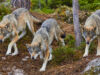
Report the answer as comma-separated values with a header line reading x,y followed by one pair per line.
x,y
91,30
41,44
14,26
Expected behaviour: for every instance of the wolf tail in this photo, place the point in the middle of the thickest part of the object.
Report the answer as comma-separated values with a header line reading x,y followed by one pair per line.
x,y
36,20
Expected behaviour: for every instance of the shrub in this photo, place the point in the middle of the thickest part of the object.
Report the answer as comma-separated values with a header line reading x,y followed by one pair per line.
x,y
70,41
89,4
4,11
65,54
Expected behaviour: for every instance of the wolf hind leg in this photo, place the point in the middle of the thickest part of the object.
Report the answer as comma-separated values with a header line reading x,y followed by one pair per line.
x,y
22,34
30,26
98,47
50,49
15,46
56,37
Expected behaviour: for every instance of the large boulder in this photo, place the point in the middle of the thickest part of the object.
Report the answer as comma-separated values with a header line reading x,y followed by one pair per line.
x,y
93,67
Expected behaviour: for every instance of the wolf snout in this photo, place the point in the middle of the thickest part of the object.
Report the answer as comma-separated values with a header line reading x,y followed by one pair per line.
x,y
87,42
63,35
33,58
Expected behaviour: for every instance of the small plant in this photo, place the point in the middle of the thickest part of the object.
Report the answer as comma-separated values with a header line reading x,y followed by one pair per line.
x,y
62,53
70,41
4,11
65,54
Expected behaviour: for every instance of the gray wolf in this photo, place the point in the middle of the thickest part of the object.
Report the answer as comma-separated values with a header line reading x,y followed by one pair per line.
x,y
91,30
15,23
41,44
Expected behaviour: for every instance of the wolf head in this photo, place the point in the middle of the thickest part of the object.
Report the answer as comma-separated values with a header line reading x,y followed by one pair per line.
x,y
3,27
34,51
89,33
3,33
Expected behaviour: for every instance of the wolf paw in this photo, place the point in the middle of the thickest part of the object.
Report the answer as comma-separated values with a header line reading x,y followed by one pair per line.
x,y
8,54
85,55
13,54
50,57
42,69
98,54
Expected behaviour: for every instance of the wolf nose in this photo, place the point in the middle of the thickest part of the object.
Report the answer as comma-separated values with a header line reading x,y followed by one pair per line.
x,y
0,41
87,42
32,58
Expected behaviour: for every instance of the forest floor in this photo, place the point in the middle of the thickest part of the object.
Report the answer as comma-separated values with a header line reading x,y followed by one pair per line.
x,y
31,67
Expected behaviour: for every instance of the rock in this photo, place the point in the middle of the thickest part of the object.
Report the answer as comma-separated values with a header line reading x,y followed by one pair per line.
x,y
16,71
0,73
25,58
3,58
93,67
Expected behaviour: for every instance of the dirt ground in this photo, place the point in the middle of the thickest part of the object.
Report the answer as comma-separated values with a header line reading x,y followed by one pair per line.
x,y
31,67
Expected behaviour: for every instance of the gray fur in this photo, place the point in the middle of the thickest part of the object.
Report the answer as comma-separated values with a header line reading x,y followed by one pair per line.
x,y
43,40
91,31
94,20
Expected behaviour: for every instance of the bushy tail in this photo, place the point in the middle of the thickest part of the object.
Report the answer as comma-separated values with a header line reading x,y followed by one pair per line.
x,y
36,20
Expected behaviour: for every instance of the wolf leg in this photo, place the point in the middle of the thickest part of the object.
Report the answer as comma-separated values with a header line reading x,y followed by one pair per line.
x,y
45,60
86,50
16,50
30,26
56,36
98,48
22,34
11,44
41,55
50,57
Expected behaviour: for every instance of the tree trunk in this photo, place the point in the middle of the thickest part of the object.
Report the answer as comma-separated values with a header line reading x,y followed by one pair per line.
x,y
46,1
20,4
39,4
77,31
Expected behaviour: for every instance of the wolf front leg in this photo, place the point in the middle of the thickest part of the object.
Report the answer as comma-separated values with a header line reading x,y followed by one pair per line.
x,y
12,43
16,50
98,47
45,60
86,50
